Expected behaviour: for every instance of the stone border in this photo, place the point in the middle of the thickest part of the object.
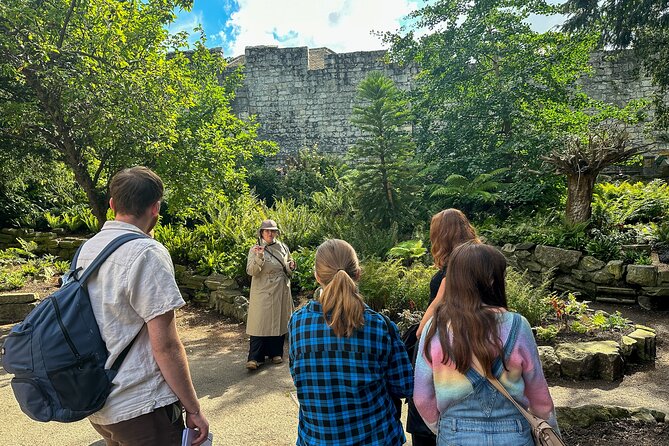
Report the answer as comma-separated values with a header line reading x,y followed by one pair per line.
x,y
585,416
573,271
54,242
14,307
599,359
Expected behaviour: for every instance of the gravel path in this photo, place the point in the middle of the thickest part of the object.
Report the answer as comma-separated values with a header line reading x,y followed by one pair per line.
x,y
257,408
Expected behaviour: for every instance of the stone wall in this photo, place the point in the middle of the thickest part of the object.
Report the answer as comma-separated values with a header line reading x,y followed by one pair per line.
x,y
575,272
303,97
55,242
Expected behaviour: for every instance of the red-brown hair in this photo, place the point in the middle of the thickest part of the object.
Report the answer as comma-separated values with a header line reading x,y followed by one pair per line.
x,y
448,229
467,318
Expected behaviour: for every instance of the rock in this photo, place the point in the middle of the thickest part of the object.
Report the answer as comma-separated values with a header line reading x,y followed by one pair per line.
x,y
585,416
642,414
11,313
529,265
653,303
508,249
581,275
522,254
638,248
596,359
628,347
656,291
646,344
603,277
549,361
569,283
526,246
193,282
17,298
557,257
644,275
590,264
216,281
616,268
662,278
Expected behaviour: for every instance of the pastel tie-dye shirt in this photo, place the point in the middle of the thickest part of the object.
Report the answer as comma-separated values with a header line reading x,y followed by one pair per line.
x,y
438,386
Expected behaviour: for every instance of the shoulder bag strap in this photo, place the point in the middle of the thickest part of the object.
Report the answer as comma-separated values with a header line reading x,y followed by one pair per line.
x,y
281,262
528,416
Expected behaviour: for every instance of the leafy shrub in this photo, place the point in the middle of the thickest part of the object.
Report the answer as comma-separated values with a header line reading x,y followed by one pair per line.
x,y
636,258
547,333
408,251
525,298
626,203
303,277
392,286
300,226
11,280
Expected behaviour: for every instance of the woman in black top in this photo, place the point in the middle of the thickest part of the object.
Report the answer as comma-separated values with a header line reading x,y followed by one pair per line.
x,y
448,229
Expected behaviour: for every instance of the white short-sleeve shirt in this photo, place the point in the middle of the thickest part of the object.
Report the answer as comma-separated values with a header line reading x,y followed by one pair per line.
x,y
134,285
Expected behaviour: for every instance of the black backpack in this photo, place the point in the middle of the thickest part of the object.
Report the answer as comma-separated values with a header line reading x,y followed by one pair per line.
x,y
57,354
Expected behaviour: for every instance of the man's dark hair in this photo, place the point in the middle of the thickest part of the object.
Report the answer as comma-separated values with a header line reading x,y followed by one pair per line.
x,y
135,189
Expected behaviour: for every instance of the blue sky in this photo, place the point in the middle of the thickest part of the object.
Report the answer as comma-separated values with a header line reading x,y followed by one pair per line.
x,y
341,25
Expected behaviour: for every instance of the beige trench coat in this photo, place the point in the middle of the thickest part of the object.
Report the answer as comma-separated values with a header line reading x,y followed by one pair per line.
x,y
270,301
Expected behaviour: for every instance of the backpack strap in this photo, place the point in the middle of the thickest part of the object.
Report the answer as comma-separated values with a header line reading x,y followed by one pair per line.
x,y
119,360
106,252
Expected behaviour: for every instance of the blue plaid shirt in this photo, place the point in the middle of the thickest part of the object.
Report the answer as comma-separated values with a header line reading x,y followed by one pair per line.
x,y
343,384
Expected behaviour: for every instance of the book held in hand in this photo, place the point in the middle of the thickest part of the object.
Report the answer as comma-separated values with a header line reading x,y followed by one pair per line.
x,y
190,434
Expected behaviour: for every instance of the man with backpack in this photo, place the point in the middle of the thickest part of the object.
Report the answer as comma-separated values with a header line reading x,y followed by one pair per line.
x,y
133,295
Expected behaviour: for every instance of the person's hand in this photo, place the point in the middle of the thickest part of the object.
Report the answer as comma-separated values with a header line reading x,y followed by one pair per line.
x,y
259,250
292,265
198,421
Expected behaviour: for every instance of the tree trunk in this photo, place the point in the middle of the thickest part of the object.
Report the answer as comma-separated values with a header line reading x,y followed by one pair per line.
x,y
63,142
579,196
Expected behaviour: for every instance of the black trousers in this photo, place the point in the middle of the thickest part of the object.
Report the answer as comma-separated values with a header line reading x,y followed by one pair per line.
x,y
423,440
262,346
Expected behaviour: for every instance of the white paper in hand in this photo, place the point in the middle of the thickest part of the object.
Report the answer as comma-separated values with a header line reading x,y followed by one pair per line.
x,y
190,434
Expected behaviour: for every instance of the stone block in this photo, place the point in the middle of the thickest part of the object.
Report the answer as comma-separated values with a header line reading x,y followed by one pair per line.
x,y
638,248
11,313
581,275
590,264
194,282
526,246
646,344
603,277
596,359
585,416
522,254
644,275
528,265
653,303
557,257
508,249
549,361
662,278
217,281
17,298
569,283
655,291
628,347
616,268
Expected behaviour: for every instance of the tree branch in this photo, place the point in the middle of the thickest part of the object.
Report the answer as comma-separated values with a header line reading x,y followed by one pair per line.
x,y
70,11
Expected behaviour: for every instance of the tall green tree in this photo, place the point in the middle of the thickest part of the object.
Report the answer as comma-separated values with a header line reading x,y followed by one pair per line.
x,y
485,86
382,158
642,25
100,85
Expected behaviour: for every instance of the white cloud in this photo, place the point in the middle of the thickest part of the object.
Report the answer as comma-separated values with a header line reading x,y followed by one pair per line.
x,y
341,25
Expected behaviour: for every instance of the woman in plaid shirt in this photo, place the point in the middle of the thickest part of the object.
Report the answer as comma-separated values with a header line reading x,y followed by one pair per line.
x,y
346,360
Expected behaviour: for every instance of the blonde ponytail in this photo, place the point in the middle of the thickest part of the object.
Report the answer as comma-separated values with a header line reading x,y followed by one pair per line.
x,y
336,267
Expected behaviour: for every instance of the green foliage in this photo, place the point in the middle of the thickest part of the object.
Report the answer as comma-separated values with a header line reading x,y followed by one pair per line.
x,y
627,203
101,85
299,225
624,24
303,277
304,174
608,246
525,298
390,285
661,233
408,251
18,265
547,333
636,258
491,92
383,172
467,194
544,228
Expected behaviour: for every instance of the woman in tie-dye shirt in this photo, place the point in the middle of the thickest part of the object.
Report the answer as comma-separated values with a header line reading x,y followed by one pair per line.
x,y
473,331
